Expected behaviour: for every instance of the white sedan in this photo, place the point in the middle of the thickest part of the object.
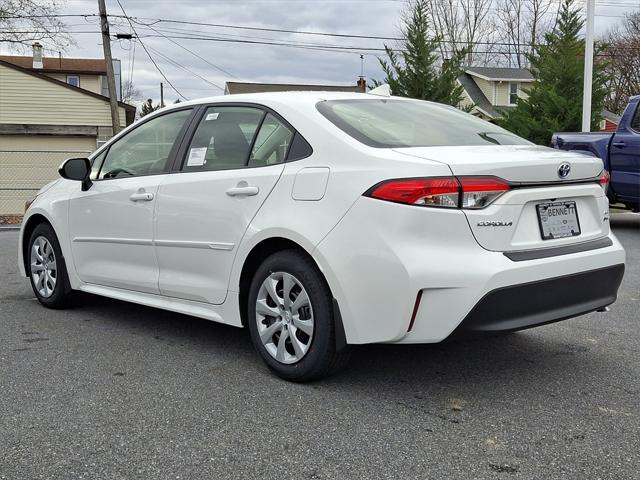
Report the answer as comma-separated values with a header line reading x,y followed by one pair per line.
x,y
322,220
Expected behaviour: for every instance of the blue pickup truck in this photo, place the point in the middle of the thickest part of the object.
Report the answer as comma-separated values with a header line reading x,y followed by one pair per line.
x,y
620,152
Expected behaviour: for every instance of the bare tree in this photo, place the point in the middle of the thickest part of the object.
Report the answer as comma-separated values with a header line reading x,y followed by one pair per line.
x,y
462,25
130,92
521,24
621,55
23,22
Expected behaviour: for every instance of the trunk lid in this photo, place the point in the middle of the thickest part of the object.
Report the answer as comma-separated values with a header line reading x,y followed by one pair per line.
x,y
514,221
516,163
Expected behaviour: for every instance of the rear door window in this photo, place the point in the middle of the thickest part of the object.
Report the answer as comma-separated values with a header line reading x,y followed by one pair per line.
x,y
223,139
635,121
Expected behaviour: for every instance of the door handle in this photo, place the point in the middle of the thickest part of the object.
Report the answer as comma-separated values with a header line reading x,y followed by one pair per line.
x,y
619,144
141,197
243,190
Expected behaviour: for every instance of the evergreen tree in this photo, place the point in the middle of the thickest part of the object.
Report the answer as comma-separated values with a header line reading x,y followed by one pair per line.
x,y
417,70
148,107
554,102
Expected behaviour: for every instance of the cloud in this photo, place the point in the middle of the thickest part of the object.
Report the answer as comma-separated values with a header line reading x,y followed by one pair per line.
x,y
249,62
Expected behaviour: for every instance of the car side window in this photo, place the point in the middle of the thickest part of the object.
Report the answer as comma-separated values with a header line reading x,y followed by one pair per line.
x,y
272,143
146,149
223,139
635,122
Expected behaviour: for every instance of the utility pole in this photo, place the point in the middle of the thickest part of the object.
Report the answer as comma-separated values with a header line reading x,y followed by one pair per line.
x,y
161,95
588,67
111,80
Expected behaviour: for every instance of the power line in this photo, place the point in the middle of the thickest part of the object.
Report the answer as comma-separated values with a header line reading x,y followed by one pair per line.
x,y
148,54
351,49
329,47
195,54
208,35
186,69
264,29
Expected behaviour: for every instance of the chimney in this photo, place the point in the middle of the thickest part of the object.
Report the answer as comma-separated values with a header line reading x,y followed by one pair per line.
x,y
362,84
37,55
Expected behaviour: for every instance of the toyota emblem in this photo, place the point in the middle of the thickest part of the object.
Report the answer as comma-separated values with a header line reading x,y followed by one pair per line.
x,y
564,170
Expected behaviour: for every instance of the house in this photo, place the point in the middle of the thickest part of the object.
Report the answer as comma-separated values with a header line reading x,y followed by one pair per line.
x,y
54,103
492,89
610,121
50,109
86,73
231,88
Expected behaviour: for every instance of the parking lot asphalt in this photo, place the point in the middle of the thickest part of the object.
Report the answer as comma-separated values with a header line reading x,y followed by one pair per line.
x,y
110,390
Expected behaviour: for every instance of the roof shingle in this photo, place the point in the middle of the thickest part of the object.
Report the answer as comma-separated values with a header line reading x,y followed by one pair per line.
x,y
499,73
96,66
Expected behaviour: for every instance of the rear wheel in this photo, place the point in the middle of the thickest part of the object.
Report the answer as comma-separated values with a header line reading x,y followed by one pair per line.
x,y
47,268
291,318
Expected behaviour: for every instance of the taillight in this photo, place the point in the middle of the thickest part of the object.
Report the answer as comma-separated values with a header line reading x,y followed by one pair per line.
x,y
431,192
478,192
604,180
447,192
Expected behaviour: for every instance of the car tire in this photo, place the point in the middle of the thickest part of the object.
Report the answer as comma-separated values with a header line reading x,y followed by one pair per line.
x,y
47,269
309,350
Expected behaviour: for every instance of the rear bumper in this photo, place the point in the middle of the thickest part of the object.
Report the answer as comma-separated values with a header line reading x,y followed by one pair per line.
x,y
377,271
545,301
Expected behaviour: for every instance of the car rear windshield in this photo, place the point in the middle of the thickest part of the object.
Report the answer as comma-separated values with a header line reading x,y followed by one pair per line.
x,y
388,123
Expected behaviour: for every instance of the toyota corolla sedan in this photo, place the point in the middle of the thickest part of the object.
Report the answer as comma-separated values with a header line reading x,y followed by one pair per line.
x,y
323,220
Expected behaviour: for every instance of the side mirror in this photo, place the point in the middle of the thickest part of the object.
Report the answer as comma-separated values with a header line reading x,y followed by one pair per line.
x,y
77,169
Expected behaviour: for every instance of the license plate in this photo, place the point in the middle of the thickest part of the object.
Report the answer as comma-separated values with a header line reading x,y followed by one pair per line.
x,y
558,220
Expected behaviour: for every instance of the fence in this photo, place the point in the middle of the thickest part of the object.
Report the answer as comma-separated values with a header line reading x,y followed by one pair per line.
x,y
23,173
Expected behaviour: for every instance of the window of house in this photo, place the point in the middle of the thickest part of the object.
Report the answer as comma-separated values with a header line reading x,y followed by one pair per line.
x,y
104,86
146,150
73,80
223,139
513,93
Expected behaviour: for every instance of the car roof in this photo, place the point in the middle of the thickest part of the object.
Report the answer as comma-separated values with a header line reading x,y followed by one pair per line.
x,y
278,96
281,98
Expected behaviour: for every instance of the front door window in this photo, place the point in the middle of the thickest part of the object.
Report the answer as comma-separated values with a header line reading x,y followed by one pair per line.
x,y
146,150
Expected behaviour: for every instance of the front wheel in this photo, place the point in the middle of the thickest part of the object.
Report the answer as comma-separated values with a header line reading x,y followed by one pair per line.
x,y
47,268
291,318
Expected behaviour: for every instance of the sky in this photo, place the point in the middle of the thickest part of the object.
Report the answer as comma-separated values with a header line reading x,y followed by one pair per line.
x,y
247,61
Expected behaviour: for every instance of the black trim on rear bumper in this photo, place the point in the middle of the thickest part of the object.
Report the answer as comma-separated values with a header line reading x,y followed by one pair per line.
x,y
522,255
545,301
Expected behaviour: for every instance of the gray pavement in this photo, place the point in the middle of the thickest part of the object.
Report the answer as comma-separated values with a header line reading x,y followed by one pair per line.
x,y
110,390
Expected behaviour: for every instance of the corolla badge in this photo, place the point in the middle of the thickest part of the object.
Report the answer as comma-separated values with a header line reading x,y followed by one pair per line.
x,y
495,224
564,169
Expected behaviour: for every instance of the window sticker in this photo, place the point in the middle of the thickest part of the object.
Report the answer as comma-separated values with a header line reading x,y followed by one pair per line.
x,y
212,116
197,157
